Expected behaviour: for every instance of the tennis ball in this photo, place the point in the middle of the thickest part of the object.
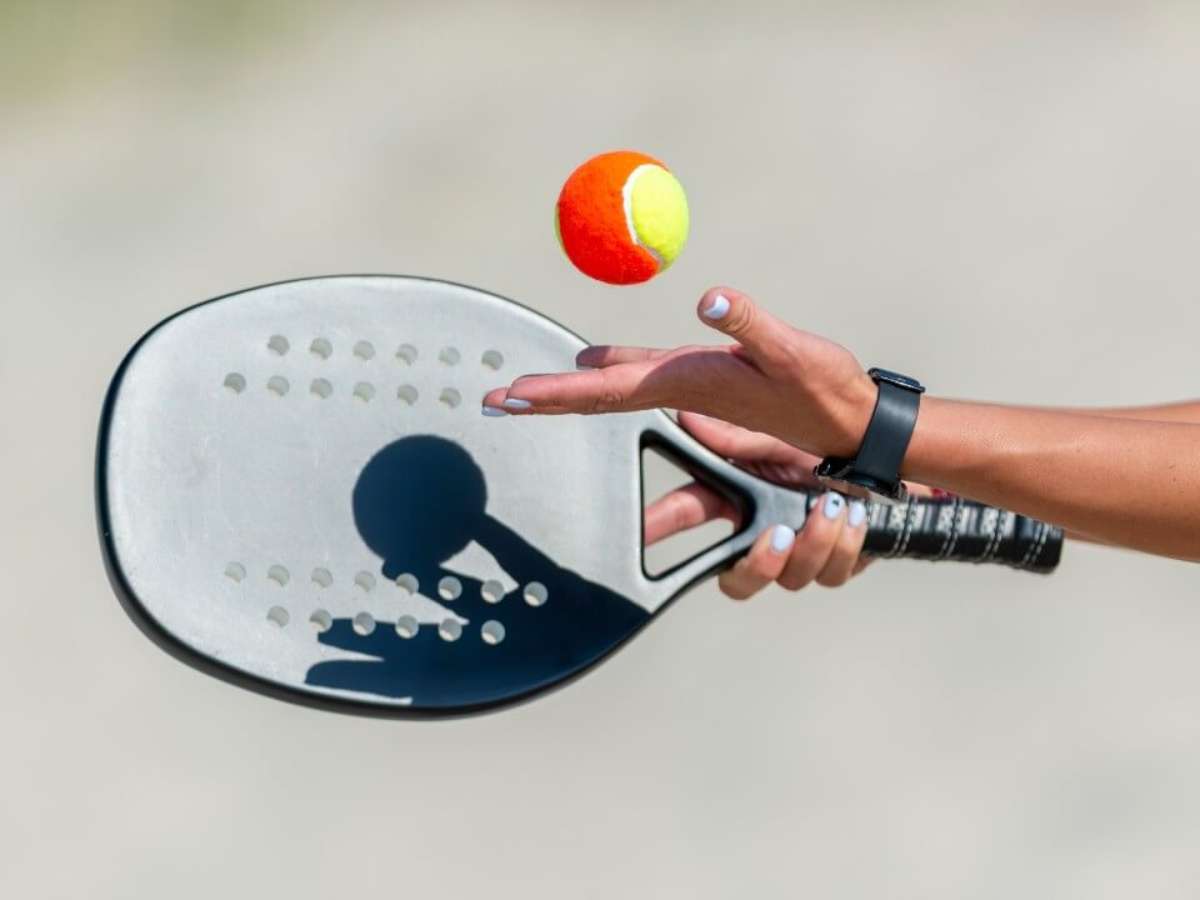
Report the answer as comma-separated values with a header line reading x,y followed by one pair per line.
x,y
622,217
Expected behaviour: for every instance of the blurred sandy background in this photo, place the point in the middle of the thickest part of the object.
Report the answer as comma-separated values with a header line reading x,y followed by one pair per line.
x,y
1002,200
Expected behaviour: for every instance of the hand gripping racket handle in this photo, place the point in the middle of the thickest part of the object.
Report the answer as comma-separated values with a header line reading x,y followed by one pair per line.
x,y
961,530
935,529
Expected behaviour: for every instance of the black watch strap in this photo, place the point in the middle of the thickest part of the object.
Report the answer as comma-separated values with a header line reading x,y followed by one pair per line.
x,y
875,470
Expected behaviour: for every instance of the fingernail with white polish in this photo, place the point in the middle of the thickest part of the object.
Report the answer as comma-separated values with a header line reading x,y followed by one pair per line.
x,y
514,403
858,513
718,308
493,411
833,505
782,538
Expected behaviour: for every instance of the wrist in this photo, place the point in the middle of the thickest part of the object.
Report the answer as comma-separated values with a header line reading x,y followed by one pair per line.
x,y
873,470
856,408
948,446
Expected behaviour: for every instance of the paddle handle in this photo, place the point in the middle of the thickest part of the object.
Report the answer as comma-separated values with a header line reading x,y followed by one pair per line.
x,y
963,531
954,529
929,528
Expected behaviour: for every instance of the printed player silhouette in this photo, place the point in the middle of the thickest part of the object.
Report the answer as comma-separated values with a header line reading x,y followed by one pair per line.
x,y
418,502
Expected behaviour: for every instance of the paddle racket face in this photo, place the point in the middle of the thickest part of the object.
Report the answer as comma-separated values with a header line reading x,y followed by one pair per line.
x,y
297,492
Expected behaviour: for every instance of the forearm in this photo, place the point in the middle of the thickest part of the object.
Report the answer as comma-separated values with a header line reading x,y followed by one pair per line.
x,y
1133,482
1186,411
1182,411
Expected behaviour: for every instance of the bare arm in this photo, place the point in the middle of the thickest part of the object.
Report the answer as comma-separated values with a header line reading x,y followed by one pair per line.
x,y
1187,411
1128,481
1126,476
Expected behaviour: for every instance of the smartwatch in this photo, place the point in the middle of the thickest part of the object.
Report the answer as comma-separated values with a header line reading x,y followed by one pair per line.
x,y
874,472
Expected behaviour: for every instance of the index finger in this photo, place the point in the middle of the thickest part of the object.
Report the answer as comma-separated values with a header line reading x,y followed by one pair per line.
x,y
599,356
684,508
712,380
619,388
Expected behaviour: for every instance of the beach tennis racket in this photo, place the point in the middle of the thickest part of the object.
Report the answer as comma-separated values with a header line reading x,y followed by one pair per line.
x,y
296,492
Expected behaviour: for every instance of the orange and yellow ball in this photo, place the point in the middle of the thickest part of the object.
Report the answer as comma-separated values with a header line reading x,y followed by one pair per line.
x,y
622,217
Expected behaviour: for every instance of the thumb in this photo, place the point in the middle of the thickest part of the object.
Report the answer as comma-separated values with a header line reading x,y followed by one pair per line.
x,y
765,338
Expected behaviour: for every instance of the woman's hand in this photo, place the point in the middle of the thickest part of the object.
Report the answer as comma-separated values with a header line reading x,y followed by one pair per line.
x,y
1127,481
776,379
786,389
827,549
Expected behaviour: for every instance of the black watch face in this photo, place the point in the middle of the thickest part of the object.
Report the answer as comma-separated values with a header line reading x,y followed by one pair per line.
x,y
896,378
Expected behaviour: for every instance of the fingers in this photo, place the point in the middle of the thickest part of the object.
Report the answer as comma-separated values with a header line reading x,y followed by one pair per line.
x,y
840,565
766,339
816,542
618,388
715,380
762,565
829,545
828,550
922,490
708,379
684,508
725,309
863,561
797,476
600,356
735,442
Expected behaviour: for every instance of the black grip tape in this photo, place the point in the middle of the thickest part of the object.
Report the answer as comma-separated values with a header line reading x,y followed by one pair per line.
x,y
964,531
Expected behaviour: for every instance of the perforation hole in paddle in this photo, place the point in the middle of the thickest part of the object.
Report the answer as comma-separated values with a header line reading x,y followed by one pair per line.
x,y
492,591
407,627
535,593
364,624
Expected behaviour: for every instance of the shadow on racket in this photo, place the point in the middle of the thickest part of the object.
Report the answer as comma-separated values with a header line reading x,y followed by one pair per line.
x,y
417,503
